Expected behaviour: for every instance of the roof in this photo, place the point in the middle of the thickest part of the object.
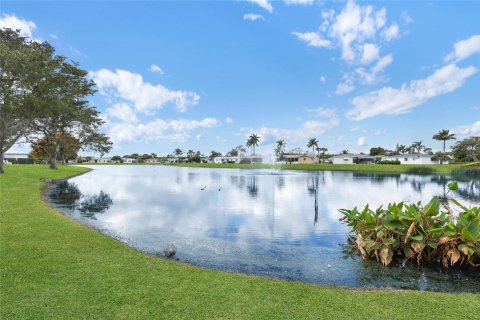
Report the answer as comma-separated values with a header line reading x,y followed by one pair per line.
x,y
353,155
411,155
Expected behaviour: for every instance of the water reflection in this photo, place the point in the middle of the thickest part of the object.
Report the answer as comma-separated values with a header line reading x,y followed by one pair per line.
x,y
255,221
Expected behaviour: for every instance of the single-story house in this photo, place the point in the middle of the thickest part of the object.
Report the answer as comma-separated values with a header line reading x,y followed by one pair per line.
x,y
291,157
227,159
307,159
16,157
351,158
129,160
102,160
413,158
152,160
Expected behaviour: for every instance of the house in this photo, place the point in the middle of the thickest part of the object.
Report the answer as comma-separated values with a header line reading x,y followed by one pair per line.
x,y
129,160
254,159
413,158
351,158
307,159
227,159
291,157
102,160
152,160
16,157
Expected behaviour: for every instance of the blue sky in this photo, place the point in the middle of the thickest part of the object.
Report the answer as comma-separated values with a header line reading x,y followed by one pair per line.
x,y
203,75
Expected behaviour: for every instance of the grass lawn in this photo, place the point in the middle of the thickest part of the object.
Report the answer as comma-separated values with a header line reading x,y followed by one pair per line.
x,y
381,168
54,268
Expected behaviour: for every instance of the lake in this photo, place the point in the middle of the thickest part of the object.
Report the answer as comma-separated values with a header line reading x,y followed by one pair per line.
x,y
275,223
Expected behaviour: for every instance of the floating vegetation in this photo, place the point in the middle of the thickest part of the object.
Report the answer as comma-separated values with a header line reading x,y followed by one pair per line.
x,y
415,232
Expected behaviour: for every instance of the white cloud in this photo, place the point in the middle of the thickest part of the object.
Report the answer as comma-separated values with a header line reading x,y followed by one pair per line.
x,y
391,32
375,73
406,18
307,130
265,4
157,130
313,39
228,120
323,79
253,17
199,136
145,96
323,112
53,36
122,112
370,53
156,69
464,49
397,101
13,22
300,2
355,30
346,86
380,132
468,130
362,141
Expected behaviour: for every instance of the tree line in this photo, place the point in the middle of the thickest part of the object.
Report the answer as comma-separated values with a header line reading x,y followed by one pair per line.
x,y
44,100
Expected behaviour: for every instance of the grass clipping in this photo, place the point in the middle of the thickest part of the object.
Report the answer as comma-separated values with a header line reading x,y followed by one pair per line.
x,y
425,234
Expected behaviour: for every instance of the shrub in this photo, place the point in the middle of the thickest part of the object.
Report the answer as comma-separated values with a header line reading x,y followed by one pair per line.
x,y
388,162
415,232
245,161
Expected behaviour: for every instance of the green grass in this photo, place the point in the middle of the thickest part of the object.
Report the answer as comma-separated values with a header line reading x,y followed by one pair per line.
x,y
52,267
384,168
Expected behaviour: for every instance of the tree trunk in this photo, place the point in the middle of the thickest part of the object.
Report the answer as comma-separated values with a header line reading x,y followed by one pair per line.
x,y
1,162
53,163
441,159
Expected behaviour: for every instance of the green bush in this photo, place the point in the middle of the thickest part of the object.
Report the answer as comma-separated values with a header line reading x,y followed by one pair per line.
x,y
388,162
416,232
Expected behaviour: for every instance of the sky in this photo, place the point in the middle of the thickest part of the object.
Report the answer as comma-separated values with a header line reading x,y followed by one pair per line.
x,y
204,75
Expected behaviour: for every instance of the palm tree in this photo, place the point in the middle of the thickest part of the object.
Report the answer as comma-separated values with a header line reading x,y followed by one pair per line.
x,y
444,135
312,143
178,153
280,150
252,141
323,151
417,146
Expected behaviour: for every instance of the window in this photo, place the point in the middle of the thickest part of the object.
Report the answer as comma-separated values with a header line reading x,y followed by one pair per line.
x,y
406,159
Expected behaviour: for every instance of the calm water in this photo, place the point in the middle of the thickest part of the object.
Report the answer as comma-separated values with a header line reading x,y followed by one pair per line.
x,y
281,224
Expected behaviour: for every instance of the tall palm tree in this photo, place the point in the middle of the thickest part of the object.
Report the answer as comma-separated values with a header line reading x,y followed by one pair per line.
x,y
417,146
252,141
444,135
312,143
280,150
178,152
323,151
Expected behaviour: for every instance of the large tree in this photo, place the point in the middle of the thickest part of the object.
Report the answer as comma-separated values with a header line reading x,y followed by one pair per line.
x,y
68,149
64,109
22,62
467,150
253,141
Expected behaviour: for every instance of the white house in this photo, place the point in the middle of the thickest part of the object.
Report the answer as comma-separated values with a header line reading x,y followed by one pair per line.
x,y
227,159
351,158
413,158
129,160
102,160
14,156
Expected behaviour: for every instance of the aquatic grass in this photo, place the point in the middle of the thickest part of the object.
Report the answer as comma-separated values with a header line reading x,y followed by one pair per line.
x,y
425,234
52,267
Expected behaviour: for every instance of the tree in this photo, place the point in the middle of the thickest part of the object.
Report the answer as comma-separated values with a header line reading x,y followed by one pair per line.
x,y
178,152
253,141
312,143
190,155
378,151
345,151
68,149
467,150
444,135
61,108
322,153
117,158
22,62
237,151
214,154
280,149
417,147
